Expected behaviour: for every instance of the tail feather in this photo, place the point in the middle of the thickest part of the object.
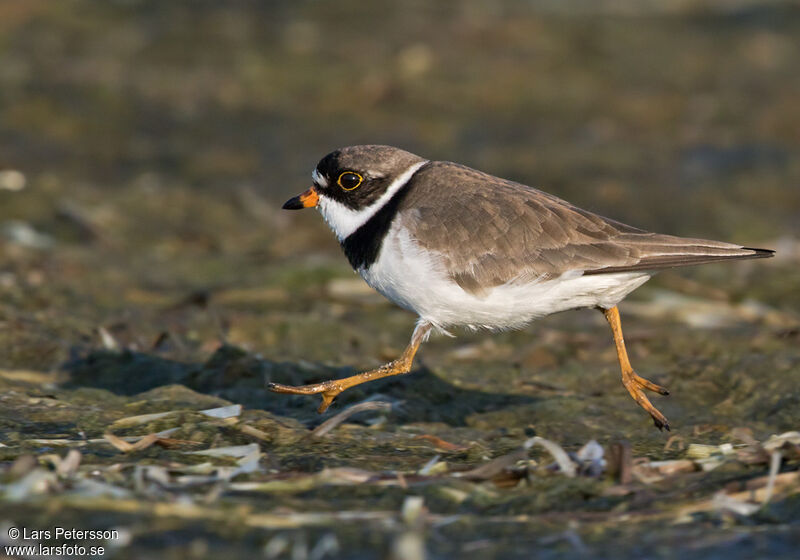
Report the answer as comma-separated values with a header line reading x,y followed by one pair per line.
x,y
760,253
658,252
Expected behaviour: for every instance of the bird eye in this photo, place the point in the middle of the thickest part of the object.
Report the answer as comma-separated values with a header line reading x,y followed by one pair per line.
x,y
349,180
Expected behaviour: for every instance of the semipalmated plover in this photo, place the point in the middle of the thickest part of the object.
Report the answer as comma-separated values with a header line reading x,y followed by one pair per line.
x,y
462,248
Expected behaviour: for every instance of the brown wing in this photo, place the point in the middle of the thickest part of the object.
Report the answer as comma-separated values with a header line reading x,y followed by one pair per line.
x,y
489,231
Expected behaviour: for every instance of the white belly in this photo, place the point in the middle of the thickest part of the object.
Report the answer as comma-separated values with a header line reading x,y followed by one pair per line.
x,y
415,280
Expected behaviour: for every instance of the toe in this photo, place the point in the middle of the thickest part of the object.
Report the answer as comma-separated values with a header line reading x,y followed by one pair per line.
x,y
327,400
649,385
660,422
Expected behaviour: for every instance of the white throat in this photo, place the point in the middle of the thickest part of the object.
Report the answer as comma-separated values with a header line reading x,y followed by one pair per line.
x,y
344,220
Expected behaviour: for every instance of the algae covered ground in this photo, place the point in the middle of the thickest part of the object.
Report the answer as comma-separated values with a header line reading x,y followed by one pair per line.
x,y
151,287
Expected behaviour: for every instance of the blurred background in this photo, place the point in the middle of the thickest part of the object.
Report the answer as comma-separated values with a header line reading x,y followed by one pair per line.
x,y
146,148
149,146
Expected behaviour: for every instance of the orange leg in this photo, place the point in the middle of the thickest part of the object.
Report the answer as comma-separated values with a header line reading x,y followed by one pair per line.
x,y
330,389
633,383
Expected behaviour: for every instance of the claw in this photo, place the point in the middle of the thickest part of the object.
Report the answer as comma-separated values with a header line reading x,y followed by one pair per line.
x,y
661,424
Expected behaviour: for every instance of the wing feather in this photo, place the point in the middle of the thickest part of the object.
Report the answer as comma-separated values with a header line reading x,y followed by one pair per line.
x,y
488,231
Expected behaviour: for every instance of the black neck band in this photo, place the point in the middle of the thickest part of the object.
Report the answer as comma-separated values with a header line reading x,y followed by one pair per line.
x,y
363,246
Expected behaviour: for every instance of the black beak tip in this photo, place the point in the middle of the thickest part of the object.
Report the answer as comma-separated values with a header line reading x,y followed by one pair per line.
x,y
293,204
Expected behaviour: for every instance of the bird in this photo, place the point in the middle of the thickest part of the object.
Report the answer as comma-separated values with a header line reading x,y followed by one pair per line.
x,y
461,248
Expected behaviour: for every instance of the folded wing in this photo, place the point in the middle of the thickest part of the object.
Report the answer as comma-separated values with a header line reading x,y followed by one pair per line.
x,y
488,231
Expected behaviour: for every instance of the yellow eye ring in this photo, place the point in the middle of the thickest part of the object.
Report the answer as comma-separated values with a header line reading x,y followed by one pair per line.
x,y
352,180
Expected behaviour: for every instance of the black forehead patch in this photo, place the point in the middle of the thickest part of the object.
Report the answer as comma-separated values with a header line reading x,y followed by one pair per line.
x,y
329,165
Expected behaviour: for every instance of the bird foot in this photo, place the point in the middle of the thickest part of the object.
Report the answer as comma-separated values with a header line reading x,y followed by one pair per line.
x,y
635,385
328,390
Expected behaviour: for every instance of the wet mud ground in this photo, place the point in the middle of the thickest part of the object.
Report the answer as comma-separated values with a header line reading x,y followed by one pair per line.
x,y
151,287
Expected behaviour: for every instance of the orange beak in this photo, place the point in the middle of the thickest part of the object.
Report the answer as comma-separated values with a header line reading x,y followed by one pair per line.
x,y
308,199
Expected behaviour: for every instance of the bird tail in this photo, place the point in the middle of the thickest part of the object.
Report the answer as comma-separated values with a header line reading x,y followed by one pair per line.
x,y
658,252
